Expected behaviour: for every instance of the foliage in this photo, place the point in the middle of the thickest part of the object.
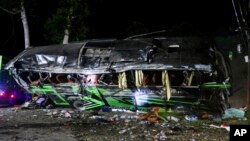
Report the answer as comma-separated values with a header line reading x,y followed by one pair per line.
x,y
70,15
12,6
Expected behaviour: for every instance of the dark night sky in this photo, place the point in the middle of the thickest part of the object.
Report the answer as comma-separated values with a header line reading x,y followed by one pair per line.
x,y
204,15
112,18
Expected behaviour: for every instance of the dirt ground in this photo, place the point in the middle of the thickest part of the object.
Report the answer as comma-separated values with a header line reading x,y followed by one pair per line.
x,y
66,124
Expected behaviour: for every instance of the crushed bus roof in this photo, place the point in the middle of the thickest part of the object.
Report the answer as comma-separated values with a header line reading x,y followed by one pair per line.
x,y
97,56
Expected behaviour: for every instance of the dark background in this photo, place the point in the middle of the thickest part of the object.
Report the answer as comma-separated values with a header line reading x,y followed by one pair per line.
x,y
193,16
113,19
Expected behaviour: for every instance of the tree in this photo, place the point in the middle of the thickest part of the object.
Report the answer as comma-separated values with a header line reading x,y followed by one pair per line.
x,y
16,8
68,23
25,26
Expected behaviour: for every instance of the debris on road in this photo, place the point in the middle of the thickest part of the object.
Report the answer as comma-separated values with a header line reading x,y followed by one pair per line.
x,y
233,113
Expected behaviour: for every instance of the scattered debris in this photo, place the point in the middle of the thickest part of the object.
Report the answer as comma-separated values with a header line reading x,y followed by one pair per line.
x,y
191,117
216,117
123,131
233,113
106,109
37,102
172,118
221,126
161,136
215,126
205,116
227,127
151,116
25,105
67,115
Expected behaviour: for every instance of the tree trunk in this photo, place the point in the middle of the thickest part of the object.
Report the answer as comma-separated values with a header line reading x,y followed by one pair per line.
x,y
25,26
66,30
66,36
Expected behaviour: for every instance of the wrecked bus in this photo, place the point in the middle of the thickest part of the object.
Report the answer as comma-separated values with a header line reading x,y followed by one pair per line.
x,y
133,73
